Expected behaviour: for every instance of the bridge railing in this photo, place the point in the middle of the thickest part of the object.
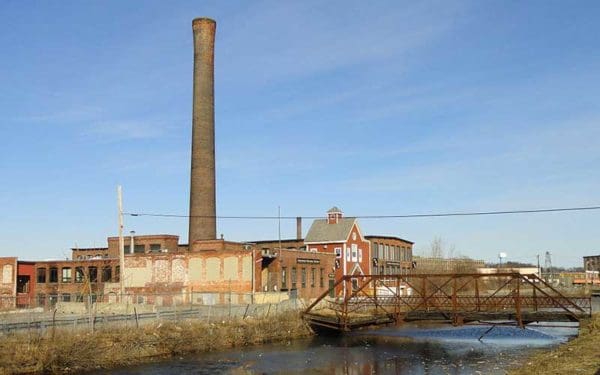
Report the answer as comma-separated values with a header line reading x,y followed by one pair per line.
x,y
454,294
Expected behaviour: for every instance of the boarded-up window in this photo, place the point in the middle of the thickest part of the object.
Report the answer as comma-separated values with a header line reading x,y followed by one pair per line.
x,y
230,268
213,269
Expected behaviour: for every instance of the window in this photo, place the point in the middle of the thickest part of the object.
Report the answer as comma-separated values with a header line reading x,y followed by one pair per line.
x,y
354,284
375,250
117,273
93,272
23,284
313,277
321,277
155,247
79,275
283,277
386,252
338,252
65,297
359,255
106,274
294,277
139,249
66,275
303,277
354,252
314,249
348,256
53,274
41,275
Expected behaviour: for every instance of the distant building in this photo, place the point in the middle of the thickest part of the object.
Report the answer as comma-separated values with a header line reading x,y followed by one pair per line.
x,y
446,265
591,263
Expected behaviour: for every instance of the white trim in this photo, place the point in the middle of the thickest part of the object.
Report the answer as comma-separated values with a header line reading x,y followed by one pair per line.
x,y
357,265
323,242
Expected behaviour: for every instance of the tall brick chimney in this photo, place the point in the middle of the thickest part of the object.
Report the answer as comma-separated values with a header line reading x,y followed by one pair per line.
x,y
202,186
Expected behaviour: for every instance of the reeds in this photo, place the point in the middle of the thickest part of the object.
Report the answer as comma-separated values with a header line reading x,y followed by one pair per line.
x,y
69,351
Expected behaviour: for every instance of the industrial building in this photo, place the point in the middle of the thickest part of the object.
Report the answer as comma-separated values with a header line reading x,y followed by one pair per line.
x,y
158,270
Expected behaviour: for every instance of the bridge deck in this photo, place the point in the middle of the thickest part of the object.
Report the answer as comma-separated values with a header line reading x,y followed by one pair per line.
x,y
453,298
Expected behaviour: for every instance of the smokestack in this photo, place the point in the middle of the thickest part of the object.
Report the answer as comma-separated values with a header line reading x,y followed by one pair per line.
x,y
202,190
298,228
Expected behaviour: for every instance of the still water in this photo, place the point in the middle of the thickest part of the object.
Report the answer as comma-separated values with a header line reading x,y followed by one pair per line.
x,y
409,349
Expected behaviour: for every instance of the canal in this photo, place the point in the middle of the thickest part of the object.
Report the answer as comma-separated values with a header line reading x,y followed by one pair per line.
x,y
410,349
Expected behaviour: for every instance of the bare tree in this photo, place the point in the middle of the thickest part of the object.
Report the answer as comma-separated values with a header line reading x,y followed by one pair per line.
x,y
436,248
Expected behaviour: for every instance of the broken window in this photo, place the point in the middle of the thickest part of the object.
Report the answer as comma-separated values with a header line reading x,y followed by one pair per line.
x,y
79,275
53,274
106,274
41,275
155,247
303,277
66,275
139,249
93,272
313,277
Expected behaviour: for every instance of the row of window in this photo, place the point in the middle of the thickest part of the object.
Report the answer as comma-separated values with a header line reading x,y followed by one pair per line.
x,y
78,274
387,270
391,252
303,277
353,253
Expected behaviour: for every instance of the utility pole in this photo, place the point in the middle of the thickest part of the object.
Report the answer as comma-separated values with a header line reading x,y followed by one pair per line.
x,y
121,242
548,266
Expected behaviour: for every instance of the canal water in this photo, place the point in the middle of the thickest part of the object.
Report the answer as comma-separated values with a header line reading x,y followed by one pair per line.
x,y
410,349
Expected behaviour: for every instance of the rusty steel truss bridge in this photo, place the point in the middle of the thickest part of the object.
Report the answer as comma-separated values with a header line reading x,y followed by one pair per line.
x,y
458,298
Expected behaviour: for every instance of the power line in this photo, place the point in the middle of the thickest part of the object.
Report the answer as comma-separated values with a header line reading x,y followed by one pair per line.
x,y
407,216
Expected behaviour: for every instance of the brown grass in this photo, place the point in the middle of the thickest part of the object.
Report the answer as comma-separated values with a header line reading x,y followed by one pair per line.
x,y
73,351
579,356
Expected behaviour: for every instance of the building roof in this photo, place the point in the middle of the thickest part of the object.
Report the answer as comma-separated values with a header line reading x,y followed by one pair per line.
x,y
375,236
321,231
335,210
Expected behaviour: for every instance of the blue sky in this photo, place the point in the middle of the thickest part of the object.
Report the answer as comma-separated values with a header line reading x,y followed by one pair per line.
x,y
387,108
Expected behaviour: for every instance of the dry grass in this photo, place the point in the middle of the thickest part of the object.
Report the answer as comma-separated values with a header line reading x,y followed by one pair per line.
x,y
73,352
579,356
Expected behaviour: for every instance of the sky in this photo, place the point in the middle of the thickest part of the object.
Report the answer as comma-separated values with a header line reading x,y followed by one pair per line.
x,y
379,108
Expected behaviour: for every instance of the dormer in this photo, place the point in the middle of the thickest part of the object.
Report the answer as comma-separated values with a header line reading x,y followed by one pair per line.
x,y
334,215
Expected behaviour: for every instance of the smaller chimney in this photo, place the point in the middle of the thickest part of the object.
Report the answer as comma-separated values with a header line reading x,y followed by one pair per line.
x,y
298,228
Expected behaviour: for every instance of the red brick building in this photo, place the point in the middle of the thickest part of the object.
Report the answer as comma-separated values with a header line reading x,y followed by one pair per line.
x,y
341,237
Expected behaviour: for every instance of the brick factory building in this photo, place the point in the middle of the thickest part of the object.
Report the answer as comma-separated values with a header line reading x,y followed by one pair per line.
x,y
390,255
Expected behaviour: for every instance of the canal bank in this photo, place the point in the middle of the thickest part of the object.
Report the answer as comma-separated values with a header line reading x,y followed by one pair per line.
x,y
578,356
66,351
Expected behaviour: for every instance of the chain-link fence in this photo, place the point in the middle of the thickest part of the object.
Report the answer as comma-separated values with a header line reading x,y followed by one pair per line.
x,y
92,311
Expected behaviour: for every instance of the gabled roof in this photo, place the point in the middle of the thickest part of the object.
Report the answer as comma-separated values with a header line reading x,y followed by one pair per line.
x,y
321,231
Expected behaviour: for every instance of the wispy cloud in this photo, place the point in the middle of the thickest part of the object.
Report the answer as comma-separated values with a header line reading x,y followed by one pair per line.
x,y
125,129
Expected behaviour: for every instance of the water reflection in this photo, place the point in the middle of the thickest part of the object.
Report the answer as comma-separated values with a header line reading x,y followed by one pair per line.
x,y
407,350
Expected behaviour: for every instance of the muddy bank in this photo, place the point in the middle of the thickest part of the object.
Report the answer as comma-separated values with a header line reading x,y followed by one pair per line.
x,y
65,351
578,356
